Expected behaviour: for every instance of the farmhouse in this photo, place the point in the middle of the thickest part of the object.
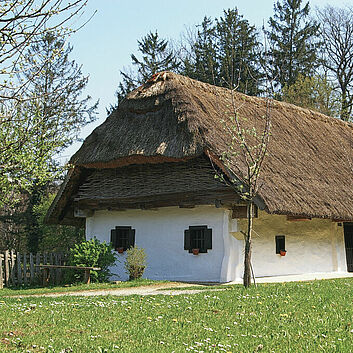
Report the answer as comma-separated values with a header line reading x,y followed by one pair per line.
x,y
146,176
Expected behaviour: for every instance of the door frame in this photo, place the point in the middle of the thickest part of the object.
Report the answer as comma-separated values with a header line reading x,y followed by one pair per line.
x,y
349,254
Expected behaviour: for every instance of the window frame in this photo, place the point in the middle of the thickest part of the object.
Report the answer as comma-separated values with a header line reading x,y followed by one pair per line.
x,y
280,241
124,242
203,236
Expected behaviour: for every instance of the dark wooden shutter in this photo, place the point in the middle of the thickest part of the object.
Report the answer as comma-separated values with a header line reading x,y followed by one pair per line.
x,y
131,237
208,239
280,243
348,240
113,238
187,244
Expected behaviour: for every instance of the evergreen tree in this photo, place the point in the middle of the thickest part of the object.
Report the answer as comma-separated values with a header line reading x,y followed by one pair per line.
x,y
202,64
293,43
225,53
238,53
156,57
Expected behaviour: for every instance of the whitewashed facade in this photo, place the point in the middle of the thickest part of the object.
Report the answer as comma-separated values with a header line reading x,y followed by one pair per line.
x,y
315,246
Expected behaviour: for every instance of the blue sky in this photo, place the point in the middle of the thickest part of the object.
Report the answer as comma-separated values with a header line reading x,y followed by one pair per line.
x,y
103,46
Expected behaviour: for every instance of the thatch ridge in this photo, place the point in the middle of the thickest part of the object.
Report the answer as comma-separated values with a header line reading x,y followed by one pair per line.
x,y
308,170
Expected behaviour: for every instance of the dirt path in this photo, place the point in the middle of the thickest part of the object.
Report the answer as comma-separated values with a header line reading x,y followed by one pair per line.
x,y
164,289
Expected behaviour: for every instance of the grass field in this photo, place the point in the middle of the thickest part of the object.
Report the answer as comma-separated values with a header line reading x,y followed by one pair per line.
x,y
292,317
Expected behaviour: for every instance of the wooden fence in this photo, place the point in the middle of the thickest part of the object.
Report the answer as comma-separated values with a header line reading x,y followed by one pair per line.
x,y
18,269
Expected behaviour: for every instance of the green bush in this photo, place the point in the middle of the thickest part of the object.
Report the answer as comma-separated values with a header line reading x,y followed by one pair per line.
x,y
135,262
93,253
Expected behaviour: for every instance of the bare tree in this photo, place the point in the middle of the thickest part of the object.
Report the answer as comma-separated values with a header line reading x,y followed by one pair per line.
x,y
23,23
248,148
336,29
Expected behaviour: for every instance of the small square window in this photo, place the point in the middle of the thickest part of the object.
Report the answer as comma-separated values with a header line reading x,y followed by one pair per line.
x,y
122,238
280,243
198,237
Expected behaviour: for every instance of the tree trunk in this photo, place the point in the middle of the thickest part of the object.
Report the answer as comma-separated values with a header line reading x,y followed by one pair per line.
x,y
247,254
344,113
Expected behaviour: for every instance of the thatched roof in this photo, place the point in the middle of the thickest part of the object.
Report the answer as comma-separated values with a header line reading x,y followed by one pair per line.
x,y
308,170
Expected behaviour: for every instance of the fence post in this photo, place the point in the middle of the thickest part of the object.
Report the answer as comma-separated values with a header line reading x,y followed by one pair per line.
x,y
1,277
25,269
12,268
38,263
52,271
7,268
60,273
19,272
31,268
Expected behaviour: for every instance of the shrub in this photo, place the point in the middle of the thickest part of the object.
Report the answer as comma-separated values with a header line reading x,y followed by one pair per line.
x,y
135,262
93,253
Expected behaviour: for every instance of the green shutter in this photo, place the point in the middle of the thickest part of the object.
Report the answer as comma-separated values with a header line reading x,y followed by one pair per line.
x,y
208,239
280,243
113,238
131,237
187,245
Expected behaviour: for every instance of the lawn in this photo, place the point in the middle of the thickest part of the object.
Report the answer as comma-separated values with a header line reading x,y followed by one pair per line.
x,y
292,317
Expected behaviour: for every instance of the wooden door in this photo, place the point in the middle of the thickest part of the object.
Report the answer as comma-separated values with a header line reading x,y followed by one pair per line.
x,y
348,240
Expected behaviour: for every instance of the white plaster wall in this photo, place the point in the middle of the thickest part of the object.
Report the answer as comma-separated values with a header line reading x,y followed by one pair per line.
x,y
315,246
232,255
161,233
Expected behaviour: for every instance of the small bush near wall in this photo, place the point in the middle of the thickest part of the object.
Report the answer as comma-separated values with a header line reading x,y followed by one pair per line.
x,y
92,253
135,262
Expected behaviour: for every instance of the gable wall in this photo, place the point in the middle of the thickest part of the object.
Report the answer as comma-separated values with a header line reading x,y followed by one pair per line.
x,y
312,246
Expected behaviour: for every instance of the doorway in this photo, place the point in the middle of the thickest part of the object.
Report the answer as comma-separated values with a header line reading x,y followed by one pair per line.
x,y
348,240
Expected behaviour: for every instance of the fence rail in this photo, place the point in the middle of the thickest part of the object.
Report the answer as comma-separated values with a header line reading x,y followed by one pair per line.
x,y
18,269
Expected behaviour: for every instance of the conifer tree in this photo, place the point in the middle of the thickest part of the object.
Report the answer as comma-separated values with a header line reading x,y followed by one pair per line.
x,y
156,57
202,64
293,43
238,53
225,53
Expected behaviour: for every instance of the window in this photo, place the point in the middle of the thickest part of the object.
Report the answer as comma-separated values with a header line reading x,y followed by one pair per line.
x,y
198,237
280,243
122,237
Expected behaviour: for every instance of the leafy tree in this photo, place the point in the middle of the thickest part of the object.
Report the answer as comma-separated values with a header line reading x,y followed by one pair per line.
x,y
57,102
22,24
316,93
336,30
50,116
293,43
156,57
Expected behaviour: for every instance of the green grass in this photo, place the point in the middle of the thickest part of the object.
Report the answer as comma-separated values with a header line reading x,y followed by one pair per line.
x,y
23,291
291,317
